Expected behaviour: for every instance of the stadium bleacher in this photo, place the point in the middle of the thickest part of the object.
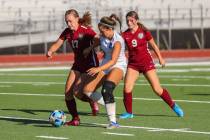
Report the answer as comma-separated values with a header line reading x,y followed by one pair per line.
x,y
38,17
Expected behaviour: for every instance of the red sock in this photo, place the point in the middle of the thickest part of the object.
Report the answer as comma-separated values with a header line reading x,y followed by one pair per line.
x,y
128,101
72,107
167,98
85,98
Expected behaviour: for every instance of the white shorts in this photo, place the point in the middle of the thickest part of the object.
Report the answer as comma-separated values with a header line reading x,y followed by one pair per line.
x,y
120,65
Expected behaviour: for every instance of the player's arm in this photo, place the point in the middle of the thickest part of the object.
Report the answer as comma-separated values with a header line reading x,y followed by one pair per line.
x,y
96,42
157,52
55,46
110,63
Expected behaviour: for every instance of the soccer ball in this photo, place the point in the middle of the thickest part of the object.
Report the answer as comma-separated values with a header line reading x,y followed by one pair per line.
x,y
57,118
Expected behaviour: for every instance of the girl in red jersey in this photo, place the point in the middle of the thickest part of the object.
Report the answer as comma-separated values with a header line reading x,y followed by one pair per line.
x,y
137,37
80,36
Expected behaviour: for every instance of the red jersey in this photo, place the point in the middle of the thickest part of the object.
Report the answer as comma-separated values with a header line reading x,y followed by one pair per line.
x,y
79,40
137,44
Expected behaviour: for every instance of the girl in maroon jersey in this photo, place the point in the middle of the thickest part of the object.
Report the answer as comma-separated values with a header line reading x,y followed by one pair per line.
x,y
80,36
137,37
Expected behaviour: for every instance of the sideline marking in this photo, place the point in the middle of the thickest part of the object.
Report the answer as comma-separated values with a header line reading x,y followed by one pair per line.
x,y
60,95
52,137
118,134
121,126
64,75
62,83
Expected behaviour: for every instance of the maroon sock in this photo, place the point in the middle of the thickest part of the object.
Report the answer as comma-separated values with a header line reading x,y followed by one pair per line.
x,y
167,98
72,107
85,98
128,101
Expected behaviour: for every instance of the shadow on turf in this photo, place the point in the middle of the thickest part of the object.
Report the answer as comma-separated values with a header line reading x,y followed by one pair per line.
x,y
199,94
26,121
34,112
153,115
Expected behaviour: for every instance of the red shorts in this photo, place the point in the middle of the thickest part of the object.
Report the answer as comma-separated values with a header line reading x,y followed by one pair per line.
x,y
142,67
81,68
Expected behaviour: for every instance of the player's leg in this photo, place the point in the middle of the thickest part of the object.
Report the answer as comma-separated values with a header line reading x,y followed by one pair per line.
x,y
79,85
129,82
153,79
112,79
90,88
69,98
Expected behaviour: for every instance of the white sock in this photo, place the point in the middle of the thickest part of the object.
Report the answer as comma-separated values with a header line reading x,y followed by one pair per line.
x,y
96,97
111,111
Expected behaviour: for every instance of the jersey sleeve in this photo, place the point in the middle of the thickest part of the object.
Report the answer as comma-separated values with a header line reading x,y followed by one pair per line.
x,y
63,34
148,35
90,33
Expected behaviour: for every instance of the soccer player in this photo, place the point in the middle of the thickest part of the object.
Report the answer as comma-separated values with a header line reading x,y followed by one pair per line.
x,y
137,37
80,36
113,67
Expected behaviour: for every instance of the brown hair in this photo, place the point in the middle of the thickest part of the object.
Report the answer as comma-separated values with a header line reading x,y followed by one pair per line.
x,y
135,15
85,20
107,22
116,18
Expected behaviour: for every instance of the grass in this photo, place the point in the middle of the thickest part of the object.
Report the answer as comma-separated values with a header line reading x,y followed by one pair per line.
x,y
26,117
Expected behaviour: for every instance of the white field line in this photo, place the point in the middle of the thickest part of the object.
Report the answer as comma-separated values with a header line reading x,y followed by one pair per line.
x,y
159,130
121,126
173,85
62,83
184,76
64,75
152,99
34,83
118,134
34,69
120,98
183,70
33,74
159,69
5,86
52,137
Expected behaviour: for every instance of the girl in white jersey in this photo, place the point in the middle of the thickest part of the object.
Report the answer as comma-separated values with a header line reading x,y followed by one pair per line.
x,y
110,71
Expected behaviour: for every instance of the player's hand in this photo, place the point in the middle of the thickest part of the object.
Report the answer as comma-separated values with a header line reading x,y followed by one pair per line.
x,y
162,62
93,71
49,54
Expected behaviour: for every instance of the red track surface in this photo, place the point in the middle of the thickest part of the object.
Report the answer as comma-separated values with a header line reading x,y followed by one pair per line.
x,y
67,58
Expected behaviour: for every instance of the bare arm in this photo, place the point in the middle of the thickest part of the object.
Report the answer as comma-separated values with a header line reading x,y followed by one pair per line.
x,y
157,52
55,46
110,63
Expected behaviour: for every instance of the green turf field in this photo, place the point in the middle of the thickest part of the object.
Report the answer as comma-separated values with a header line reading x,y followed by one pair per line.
x,y
28,97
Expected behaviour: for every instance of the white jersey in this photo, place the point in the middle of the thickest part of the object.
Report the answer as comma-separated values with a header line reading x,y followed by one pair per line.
x,y
107,47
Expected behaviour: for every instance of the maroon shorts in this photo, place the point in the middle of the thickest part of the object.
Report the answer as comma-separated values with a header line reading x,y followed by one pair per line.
x,y
82,68
142,67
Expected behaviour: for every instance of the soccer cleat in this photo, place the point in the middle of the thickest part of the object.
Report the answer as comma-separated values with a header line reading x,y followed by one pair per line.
x,y
113,125
73,122
94,107
126,116
178,110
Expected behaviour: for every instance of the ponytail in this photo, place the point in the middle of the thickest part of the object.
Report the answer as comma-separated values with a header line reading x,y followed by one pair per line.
x,y
116,18
86,19
142,26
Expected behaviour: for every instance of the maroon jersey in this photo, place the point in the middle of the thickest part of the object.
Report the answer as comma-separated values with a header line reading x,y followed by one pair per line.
x,y
79,40
138,52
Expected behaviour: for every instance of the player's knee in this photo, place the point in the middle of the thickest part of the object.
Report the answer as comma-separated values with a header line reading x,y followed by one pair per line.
x,y
128,88
107,91
158,90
